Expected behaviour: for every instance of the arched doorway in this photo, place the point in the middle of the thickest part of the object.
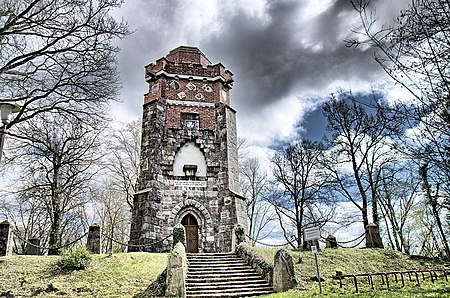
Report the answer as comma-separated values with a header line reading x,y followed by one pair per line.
x,y
190,224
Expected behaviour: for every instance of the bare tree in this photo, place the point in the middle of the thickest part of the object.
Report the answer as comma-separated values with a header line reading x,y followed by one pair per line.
x,y
399,195
57,156
124,146
113,214
362,141
426,236
255,186
433,198
414,52
58,56
27,215
298,170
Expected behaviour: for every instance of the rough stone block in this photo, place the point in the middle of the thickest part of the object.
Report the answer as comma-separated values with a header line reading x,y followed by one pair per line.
x,y
179,234
283,271
176,272
238,236
254,259
5,238
94,239
32,247
331,242
373,237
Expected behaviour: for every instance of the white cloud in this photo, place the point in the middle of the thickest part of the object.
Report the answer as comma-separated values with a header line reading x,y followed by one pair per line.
x,y
275,122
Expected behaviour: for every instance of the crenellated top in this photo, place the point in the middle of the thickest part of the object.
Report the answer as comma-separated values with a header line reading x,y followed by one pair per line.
x,y
188,55
189,63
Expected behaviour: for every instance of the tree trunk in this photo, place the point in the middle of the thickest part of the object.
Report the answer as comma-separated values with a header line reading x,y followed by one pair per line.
x,y
298,219
361,191
55,235
432,201
375,216
374,234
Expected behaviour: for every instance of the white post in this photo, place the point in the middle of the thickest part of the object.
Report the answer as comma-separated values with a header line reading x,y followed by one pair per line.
x,y
314,251
2,140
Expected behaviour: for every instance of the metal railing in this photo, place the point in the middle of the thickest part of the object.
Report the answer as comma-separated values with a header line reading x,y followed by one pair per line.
x,y
397,275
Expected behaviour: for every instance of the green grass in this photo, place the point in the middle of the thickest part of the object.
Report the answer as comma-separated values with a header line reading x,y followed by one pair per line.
x,y
354,261
121,275
129,275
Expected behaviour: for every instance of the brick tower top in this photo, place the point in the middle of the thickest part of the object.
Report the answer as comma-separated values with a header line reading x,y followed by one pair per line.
x,y
188,55
187,74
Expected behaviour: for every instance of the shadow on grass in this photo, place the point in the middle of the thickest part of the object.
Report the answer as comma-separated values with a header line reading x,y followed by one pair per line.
x,y
156,288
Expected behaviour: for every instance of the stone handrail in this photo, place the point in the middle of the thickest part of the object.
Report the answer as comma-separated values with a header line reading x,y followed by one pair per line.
x,y
280,276
254,259
176,272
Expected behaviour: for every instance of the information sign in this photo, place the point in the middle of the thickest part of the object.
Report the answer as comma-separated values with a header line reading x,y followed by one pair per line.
x,y
188,183
311,233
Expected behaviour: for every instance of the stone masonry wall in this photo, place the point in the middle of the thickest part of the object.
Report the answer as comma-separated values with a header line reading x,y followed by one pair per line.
x,y
233,168
154,203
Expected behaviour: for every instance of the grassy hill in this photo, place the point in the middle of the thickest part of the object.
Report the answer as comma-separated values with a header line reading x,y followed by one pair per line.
x,y
128,275
354,261
120,275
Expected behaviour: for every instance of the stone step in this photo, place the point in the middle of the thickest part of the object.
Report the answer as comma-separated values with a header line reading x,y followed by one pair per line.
x,y
228,294
221,268
229,285
207,274
214,262
226,291
217,279
227,282
223,275
218,266
211,255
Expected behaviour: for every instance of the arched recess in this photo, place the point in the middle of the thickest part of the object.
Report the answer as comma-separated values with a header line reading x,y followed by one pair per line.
x,y
199,212
189,155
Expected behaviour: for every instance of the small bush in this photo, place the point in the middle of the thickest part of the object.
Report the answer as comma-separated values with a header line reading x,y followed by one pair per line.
x,y
75,259
239,231
179,234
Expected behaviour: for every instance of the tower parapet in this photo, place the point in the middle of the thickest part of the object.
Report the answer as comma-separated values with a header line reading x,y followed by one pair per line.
x,y
184,65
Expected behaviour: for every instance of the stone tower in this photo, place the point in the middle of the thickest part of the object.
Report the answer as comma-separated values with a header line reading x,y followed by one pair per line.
x,y
189,170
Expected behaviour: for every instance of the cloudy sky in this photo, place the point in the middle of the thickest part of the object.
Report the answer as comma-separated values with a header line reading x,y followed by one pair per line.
x,y
287,56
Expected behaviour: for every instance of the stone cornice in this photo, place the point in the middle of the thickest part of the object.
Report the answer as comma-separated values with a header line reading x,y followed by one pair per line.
x,y
173,102
153,76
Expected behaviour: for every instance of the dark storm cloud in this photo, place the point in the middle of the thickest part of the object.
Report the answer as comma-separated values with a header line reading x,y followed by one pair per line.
x,y
153,24
277,50
270,60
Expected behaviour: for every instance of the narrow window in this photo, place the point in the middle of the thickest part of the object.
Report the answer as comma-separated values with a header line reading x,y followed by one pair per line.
x,y
190,122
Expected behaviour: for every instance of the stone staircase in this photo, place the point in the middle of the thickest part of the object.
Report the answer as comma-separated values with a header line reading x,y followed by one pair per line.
x,y
223,275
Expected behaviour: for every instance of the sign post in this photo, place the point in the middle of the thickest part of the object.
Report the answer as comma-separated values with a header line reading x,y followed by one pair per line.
x,y
314,251
313,233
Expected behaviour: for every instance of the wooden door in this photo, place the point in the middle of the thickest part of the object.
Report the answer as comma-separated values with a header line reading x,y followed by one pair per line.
x,y
190,224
